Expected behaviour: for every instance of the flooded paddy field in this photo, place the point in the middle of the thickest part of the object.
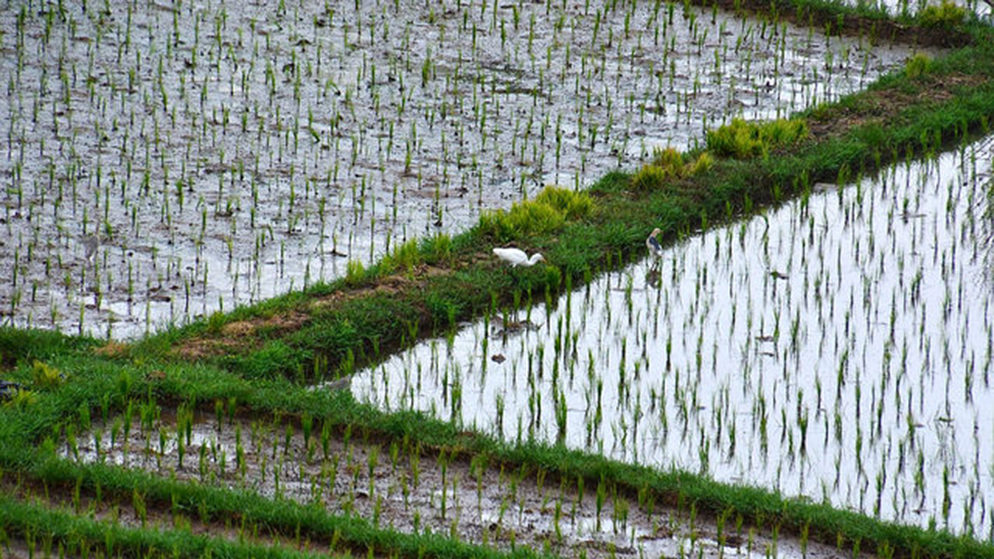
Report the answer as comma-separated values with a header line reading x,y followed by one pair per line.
x,y
164,161
838,347
911,7
415,490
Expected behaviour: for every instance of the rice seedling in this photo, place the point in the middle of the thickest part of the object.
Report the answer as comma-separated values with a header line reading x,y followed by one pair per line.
x,y
192,120
433,496
783,353
658,353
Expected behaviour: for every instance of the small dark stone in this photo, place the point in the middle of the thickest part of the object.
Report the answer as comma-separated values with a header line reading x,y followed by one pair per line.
x,y
9,389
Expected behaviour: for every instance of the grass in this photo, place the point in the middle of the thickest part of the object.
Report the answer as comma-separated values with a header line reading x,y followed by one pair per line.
x,y
81,535
669,164
246,358
203,386
741,139
946,15
371,313
546,213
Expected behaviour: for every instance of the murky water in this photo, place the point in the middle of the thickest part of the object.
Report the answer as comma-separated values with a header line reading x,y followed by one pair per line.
x,y
839,348
164,161
911,7
411,489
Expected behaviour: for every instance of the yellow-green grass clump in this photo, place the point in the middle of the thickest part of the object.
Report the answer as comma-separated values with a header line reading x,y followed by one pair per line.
x,y
405,256
917,65
945,15
668,164
546,212
45,375
742,139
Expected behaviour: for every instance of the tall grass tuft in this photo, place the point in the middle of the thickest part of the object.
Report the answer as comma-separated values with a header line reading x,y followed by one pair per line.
x,y
355,272
404,257
917,65
946,15
650,178
742,139
547,212
572,204
45,375
667,164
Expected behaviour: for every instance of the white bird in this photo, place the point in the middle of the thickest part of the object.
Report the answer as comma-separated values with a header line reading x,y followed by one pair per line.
x,y
652,243
517,257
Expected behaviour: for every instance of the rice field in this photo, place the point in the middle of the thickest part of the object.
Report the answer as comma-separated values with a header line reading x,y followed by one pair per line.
x,y
402,486
838,347
169,161
911,7
164,161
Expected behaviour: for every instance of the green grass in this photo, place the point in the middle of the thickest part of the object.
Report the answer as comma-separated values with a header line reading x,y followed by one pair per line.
x,y
54,532
80,535
204,386
946,14
363,330
741,139
362,318
546,213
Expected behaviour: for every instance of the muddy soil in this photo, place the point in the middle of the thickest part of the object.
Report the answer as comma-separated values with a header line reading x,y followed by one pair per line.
x,y
414,489
163,163
732,355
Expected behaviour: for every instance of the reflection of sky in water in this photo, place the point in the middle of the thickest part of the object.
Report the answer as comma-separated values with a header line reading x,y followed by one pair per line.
x,y
839,348
237,151
909,7
359,479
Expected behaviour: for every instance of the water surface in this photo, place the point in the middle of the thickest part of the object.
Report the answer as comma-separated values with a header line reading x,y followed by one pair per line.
x,y
839,347
222,152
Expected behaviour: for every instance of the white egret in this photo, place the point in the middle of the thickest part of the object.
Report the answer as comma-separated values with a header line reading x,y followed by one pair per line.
x,y
517,257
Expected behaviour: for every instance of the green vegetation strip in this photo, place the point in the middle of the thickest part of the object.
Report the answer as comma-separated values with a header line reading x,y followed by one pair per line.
x,y
284,520
213,389
94,390
51,532
426,288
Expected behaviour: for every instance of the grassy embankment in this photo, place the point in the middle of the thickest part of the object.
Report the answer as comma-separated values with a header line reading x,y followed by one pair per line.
x,y
244,359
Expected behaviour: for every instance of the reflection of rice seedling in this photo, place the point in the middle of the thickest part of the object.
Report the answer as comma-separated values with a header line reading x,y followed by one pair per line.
x,y
985,240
